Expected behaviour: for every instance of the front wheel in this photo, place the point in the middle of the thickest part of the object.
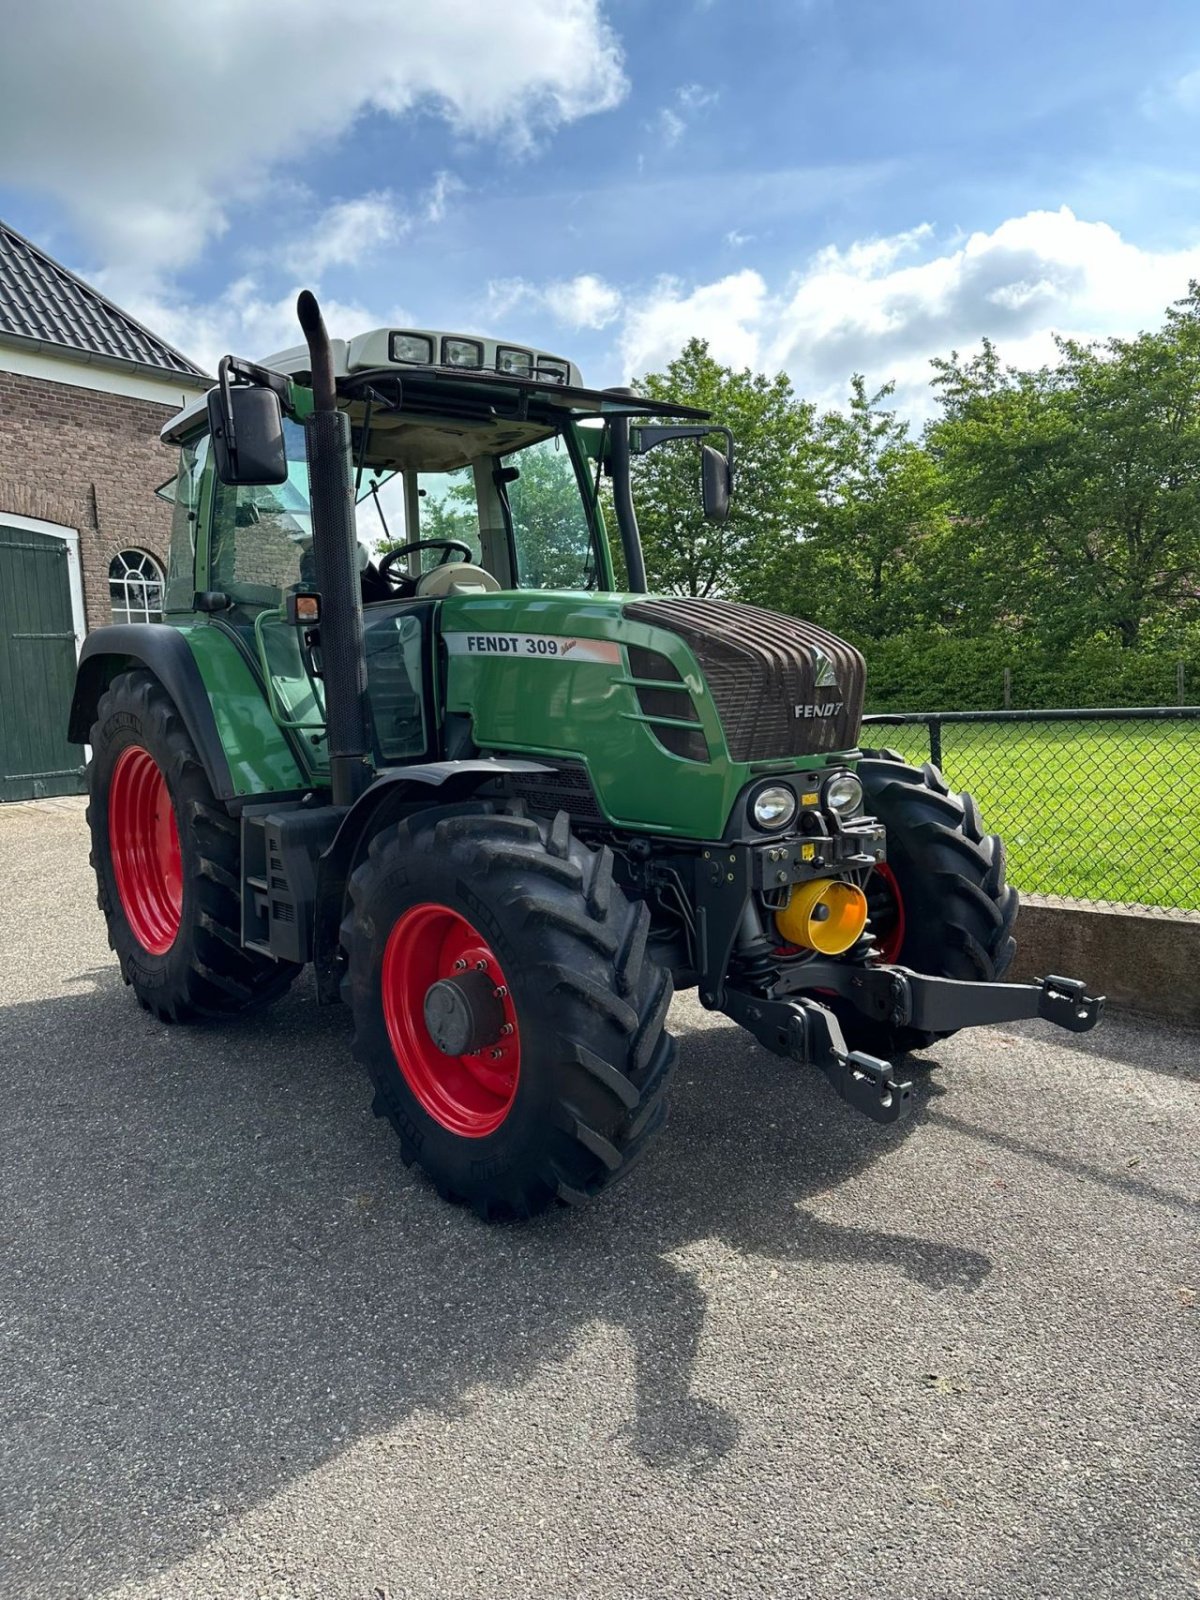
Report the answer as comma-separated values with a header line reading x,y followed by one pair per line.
x,y
505,1007
940,905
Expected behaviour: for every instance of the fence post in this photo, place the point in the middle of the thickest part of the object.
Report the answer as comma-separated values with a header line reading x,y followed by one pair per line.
x,y
935,740
1008,689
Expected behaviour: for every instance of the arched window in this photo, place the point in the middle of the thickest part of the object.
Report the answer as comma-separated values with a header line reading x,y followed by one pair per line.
x,y
135,587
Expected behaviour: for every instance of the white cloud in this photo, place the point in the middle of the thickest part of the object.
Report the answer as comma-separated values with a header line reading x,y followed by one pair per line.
x,y
442,190
348,233
729,313
688,101
1176,94
885,306
670,126
735,240
248,321
582,302
696,97
170,121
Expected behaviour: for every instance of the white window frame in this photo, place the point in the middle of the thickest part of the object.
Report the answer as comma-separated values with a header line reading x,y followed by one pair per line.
x,y
145,555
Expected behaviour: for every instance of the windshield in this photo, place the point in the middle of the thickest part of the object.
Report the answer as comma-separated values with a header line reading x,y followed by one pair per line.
x,y
522,514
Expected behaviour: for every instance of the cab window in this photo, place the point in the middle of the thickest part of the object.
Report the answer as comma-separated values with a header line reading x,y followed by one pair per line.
x,y
182,494
261,542
552,535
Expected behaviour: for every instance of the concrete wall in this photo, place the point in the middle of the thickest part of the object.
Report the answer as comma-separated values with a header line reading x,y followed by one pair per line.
x,y
90,460
1144,961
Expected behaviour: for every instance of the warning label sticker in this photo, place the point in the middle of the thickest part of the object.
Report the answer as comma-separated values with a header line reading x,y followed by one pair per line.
x,y
534,647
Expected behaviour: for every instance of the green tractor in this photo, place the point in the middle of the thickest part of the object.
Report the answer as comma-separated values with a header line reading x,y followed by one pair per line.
x,y
503,806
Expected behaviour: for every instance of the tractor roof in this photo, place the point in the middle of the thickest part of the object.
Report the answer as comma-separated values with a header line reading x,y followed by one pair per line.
x,y
454,366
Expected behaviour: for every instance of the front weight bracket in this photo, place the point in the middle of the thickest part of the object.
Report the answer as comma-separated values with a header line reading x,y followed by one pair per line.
x,y
808,1032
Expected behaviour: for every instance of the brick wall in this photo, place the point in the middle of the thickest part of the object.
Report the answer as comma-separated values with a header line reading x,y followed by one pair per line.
x,y
91,461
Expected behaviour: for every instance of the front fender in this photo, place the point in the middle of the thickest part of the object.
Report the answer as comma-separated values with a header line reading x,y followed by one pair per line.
x,y
388,798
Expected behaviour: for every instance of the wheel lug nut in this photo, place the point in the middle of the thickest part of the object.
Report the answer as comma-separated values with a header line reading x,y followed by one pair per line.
x,y
496,1054
460,965
501,991
480,966
506,1029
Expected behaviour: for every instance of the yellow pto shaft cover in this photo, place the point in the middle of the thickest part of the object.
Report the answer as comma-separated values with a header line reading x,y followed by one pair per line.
x,y
824,914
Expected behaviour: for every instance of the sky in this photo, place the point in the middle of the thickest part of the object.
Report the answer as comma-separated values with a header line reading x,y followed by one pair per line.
x,y
816,186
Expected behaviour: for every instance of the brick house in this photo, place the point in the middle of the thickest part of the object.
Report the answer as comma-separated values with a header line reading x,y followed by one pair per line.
x,y
84,391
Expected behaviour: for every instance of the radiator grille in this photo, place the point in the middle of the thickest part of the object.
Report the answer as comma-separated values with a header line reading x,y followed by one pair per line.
x,y
566,787
765,672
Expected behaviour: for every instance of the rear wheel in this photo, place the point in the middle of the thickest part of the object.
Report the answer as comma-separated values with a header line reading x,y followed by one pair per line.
x,y
940,904
167,862
505,1007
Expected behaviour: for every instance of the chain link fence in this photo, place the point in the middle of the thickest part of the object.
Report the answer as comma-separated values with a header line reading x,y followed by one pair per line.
x,y
1098,805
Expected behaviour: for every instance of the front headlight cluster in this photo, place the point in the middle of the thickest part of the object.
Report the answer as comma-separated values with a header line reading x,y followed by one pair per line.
x,y
775,805
843,794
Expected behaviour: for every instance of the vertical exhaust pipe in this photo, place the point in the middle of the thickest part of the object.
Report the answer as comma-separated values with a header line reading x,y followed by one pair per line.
x,y
335,551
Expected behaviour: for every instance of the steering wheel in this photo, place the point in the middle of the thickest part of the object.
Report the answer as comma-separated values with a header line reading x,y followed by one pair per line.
x,y
400,582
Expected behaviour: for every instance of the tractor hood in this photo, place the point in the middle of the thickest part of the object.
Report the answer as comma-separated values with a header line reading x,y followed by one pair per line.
x,y
782,687
671,705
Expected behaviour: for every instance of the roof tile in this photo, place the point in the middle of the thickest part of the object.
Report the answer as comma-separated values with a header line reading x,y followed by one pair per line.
x,y
41,300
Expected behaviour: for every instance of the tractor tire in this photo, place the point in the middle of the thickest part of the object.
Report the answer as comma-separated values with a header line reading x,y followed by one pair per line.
x,y
940,905
551,1081
166,854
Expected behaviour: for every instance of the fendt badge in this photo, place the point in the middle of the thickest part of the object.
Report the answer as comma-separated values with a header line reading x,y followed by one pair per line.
x,y
829,709
823,678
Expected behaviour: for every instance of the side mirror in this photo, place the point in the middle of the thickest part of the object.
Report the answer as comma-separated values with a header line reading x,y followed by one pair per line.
x,y
246,423
716,483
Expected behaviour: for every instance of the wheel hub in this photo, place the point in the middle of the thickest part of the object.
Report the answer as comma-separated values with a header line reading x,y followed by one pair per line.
x,y
143,841
451,1020
463,1014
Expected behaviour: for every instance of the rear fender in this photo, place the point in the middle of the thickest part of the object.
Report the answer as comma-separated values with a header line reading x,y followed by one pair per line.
x,y
164,651
215,689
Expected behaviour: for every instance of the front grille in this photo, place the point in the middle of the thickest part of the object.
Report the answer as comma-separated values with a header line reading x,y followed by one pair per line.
x,y
671,700
565,787
762,670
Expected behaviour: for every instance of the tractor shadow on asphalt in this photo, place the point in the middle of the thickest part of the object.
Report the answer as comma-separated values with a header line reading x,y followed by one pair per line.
x,y
219,1275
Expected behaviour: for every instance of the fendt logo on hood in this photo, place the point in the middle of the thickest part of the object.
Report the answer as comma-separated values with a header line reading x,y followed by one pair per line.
x,y
824,677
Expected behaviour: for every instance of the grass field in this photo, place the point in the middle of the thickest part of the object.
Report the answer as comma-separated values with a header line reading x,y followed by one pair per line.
x,y
1104,811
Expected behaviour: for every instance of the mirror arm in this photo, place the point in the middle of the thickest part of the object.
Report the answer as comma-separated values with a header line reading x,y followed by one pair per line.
x,y
647,438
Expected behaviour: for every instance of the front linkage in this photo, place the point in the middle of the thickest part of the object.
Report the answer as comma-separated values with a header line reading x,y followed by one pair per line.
x,y
806,1030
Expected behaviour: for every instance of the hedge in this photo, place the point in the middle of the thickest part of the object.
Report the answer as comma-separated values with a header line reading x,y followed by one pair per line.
x,y
938,672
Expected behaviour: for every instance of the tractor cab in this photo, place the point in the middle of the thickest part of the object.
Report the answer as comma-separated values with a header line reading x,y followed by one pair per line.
x,y
476,469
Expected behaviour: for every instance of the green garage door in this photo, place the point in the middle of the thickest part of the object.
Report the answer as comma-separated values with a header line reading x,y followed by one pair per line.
x,y
37,667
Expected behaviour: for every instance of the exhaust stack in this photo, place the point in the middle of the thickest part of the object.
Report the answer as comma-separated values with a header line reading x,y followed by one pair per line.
x,y
335,551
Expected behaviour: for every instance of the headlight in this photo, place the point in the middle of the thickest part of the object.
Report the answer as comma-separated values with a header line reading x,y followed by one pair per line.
x,y
774,806
843,794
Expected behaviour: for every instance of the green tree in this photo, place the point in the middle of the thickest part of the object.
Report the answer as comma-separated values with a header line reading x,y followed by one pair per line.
x,y
881,511
1077,487
775,491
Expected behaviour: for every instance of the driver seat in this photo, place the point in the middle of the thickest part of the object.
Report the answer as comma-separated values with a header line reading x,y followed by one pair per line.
x,y
456,577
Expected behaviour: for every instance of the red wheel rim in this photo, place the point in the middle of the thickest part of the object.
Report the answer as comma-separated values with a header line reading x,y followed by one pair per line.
x,y
144,843
471,1094
887,912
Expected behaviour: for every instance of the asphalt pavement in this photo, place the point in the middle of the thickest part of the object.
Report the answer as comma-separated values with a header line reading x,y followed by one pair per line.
x,y
244,1351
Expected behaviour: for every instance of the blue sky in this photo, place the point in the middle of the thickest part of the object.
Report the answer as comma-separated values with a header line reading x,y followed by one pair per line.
x,y
822,186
